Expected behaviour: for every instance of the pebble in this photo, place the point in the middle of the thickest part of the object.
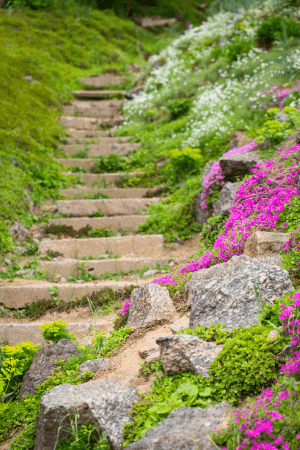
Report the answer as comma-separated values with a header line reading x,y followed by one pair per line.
x,y
80,281
63,280
7,261
150,272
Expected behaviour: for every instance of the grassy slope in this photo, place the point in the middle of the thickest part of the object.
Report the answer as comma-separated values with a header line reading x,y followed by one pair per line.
x,y
55,49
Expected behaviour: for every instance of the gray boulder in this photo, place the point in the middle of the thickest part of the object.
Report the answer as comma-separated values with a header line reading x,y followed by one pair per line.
x,y
238,139
93,365
298,186
184,352
202,215
149,304
43,364
238,165
229,297
226,198
185,429
108,403
264,243
207,168
18,231
180,324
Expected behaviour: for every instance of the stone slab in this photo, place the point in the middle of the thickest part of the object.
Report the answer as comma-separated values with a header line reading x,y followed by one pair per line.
x,y
102,81
18,296
82,192
102,149
98,138
264,243
108,207
117,224
77,248
91,179
88,123
97,267
96,94
76,162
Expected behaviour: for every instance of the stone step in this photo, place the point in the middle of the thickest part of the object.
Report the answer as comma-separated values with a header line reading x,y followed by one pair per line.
x,y
138,245
98,267
96,94
77,162
104,179
97,150
88,123
108,109
82,192
17,296
96,140
102,81
116,224
88,134
149,22
108,207
16,333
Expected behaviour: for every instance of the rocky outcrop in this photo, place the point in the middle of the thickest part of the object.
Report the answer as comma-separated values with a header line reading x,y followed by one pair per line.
x,y
183,352
238,165
228,296
185,429
18,231
150,354
43,364
202,215
180,324
93,365
149,304
226,198
108,403
263,243
238,139
207,168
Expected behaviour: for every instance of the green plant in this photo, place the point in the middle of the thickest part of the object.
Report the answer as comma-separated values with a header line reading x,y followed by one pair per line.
x,y
56,331
111,163
272,28
101,232
84,437
212,229
289,217
5,239
187,161
238,46
108,345
213,333
178,107
97,214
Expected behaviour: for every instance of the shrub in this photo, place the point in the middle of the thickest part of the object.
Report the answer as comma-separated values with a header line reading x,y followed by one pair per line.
x,y
101,232
108,345
291,256
111,163
289,217
272,29
87,437
212,229
5,239
178,107
56,331
237,47
187,161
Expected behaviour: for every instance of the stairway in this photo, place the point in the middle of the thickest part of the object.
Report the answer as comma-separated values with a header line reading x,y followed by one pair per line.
x,y
120,210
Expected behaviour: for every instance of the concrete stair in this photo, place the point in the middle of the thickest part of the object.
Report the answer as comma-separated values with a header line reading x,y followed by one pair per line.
x,y
96,94
102,81
108,207
105,179
76,133
139,245
89,123
82,192
79,140
98,267
115,223
96,150
98,109
76,162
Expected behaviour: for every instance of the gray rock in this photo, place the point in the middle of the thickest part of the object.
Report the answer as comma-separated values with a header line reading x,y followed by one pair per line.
x,y
93,365
207,168
285,353
18,231
150,272
183,352
149,304
226,198
43,364
108,403
185,429
298,137
237,15
7,261
263,243
145,352
238,139
202,215
134,92
63,280
298,186
180,324
281,117
238,165
29,78
228,297
273,334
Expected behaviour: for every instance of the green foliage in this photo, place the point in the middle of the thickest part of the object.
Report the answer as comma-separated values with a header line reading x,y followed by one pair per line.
x,y
270,314
291,258
101,232
56,331
87,437
272,28
213,333
5,239
212,229
289,217
108,345
178,107
237,47
14,362
246,365
111,163
186,162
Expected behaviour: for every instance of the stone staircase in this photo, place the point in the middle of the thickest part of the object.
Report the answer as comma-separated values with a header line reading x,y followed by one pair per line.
x,y
121,211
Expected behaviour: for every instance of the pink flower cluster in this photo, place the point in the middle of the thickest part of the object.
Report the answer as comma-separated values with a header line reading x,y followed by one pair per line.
x,y
260,422
257,205
280,97
125,307
216,177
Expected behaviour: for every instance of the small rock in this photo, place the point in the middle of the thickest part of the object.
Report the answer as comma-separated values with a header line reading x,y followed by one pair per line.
x,y
29,78
263,243
18,231
54,210
186,428
104,256
150,272
281,117
149,304
273,334
7,261
57,277
238,165
43,364
108,403
179,241
171,264
80,281
93,365
63,280
226,198
37,235
238,139
134,92
180,324
21,272
153,357
36,241
135,277
183,352
145,352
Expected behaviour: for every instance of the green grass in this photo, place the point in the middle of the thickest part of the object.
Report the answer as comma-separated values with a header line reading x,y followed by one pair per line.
x,y
55,49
